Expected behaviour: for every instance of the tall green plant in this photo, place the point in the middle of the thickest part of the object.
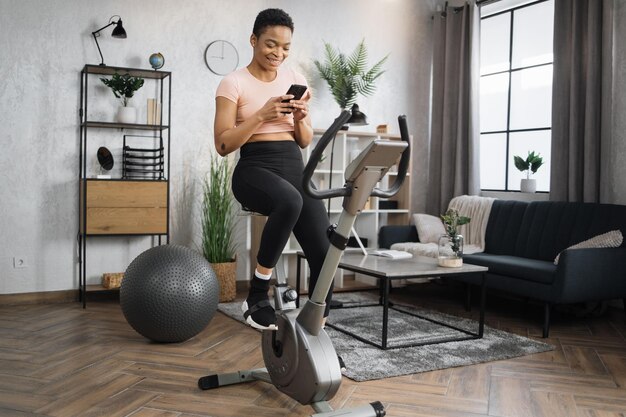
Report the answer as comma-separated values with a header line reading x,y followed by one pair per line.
x,y
217,213
347,76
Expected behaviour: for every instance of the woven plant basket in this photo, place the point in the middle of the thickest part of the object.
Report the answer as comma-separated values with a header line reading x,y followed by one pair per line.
x,y
226,273
111,280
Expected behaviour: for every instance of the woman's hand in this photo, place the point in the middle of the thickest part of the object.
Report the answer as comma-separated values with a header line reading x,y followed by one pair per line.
x,y
301,107
275,108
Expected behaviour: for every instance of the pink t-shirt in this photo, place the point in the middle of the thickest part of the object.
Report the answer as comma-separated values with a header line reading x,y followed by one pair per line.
x,y
250,94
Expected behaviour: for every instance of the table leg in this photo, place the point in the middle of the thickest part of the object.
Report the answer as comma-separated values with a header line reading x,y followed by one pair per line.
x,y
385,283
483,292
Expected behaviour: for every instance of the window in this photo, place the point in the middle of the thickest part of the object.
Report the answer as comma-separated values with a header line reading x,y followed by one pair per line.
x,y
515,91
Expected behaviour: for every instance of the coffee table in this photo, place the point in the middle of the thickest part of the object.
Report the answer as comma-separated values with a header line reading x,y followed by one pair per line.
x,y
386,270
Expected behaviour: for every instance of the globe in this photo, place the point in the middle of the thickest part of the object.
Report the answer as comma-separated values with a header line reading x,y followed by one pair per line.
x,y
157,60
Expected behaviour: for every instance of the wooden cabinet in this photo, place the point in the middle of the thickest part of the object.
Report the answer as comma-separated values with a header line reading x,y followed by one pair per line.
x,y
125,205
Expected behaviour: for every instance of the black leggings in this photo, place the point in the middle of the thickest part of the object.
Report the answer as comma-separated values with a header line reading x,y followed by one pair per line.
x,y
268,180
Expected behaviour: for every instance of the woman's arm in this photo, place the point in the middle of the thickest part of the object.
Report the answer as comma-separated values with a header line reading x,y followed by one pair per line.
x,y
229,138
303,132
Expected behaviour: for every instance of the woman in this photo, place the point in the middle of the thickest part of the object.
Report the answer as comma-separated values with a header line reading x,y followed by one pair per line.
x,y
254,114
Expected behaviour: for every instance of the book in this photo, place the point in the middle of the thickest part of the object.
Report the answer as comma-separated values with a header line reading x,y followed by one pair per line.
x,y
393,254
154,112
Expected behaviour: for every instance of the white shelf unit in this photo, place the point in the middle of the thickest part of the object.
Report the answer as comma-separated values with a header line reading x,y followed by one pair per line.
x,y
348,144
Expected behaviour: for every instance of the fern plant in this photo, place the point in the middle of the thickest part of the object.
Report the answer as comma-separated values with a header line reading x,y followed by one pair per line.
x,y
217,213
347,76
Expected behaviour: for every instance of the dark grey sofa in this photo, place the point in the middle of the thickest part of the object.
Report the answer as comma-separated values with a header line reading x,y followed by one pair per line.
x,y
522,239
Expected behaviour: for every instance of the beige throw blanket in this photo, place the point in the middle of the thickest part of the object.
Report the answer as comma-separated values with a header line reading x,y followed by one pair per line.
x,y
477,208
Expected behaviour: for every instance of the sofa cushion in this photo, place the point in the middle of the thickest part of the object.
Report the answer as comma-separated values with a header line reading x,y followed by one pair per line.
x,y
612,239
429,228
550,227
515,266
503,226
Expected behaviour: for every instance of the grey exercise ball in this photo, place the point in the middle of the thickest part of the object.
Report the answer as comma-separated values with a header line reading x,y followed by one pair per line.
x,y
169,293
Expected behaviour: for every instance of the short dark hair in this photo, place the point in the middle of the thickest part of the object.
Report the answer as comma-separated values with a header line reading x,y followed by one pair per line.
x,y
271,17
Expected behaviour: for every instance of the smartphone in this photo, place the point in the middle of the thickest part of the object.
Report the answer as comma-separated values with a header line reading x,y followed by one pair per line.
x,y
297,90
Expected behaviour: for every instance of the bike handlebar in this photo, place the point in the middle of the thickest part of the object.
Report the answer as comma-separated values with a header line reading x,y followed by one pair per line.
x,y
315,157
345,191
403,166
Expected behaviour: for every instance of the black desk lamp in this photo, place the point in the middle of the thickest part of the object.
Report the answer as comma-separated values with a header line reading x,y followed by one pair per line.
x,y
118,32
357,118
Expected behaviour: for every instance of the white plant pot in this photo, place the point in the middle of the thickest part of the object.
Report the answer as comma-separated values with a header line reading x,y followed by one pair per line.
x,y
127,115
528,185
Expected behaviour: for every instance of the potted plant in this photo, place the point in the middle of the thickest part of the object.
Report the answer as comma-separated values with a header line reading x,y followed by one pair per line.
x,y
347,76
531,164
124,87
218,222
450,252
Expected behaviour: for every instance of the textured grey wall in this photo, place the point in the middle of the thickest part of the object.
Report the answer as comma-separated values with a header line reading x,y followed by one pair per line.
x,y
45,44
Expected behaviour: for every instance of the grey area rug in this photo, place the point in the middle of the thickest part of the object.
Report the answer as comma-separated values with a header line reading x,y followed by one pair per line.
x,y
365,362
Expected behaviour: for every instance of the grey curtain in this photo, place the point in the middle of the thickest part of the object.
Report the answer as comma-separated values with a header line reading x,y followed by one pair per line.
x,y
580,60
454,154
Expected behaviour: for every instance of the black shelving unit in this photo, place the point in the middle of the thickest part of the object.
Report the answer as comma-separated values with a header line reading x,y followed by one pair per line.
x,y
160,131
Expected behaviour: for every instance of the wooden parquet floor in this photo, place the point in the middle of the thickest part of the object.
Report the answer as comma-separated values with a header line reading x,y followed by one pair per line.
x,y
60,360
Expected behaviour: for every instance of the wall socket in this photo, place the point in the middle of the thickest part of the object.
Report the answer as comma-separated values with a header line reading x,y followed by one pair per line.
x,y
20,262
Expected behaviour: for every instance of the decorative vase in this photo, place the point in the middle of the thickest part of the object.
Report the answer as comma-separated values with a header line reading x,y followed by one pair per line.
x,y
450,253
226,273
528,185
127,114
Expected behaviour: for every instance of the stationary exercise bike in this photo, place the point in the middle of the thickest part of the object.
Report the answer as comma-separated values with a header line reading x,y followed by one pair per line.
x,y
299,357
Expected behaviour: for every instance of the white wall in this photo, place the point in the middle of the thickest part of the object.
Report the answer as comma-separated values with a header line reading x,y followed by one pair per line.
x,y
45,44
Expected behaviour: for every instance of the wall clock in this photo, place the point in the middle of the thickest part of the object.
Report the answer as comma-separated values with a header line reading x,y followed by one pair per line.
x,y
221,57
